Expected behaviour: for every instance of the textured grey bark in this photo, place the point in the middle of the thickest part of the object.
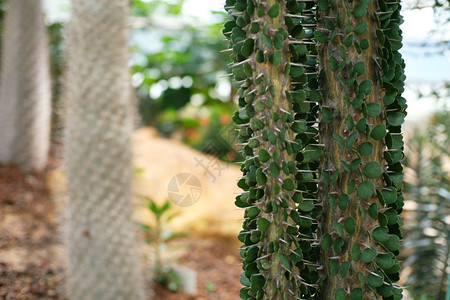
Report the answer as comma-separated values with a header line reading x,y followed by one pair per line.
x,y
102,248
25,88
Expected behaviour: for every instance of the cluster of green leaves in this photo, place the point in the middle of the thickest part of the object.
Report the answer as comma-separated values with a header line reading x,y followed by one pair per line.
x,y
357,143
274,49
276,77
427,250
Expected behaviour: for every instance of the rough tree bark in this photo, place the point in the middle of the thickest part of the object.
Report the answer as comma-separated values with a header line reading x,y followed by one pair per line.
x,y
101,238
25,89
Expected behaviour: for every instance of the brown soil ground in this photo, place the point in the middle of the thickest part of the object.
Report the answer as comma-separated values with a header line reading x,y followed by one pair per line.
x,y
27,237
31,263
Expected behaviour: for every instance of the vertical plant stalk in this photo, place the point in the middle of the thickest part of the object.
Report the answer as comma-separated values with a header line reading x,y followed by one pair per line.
x,y
276,128
101,235
361,114
25,90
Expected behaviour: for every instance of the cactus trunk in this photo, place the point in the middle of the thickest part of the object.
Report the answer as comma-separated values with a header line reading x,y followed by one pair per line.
x,y
319,82
278,130
362,79
103,256
25,89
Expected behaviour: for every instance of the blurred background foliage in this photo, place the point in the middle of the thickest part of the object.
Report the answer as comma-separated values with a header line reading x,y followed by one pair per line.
x,y
179,75
427,212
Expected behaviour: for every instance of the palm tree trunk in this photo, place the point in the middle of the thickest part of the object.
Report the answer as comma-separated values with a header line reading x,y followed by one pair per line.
x,y
101,238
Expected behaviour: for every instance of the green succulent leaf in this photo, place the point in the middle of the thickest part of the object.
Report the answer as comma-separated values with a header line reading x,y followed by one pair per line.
x,y
351,139
278,40
257,282
365,189
356,294
361,125
343,201
306,206
284,260
312,153
296,71
356,251
342,52
248,47
327,115
375,280
338,244
274,169
254,28
361,28
378,132
392,243
373,109
334,267
326,242
299,126
297,255
372,170
395,118
360,10
373,211
263,155
380,36
253,212
244,280
288,184
259,106
359,68
340,294
385,290
364,44
389,98
338,227
380,234
345,266
320,36
365,87
365,148
389,195
340,140
368,255
256,124
385,261
323,5
276,58
350,225
263,224
274,10
348,41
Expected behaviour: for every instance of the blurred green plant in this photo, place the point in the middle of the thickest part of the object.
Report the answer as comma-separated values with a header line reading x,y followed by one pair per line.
x,y
158,235
427,230
178,75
